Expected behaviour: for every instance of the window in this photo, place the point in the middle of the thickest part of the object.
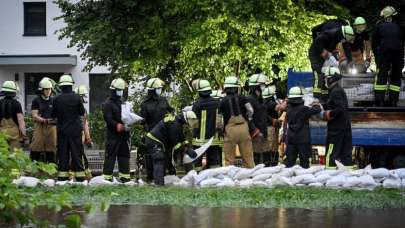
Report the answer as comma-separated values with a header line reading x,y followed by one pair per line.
x,y
34,19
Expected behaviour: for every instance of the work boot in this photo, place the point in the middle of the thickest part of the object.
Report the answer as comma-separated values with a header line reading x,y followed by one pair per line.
x,y
393,99
379,98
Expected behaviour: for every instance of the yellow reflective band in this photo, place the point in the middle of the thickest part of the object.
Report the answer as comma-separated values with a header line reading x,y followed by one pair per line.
x,y
317,90
324,92
169,117
177,146
203,123
80,174
395,88
107,176
149,135
330,149
380,87
63,174
124,175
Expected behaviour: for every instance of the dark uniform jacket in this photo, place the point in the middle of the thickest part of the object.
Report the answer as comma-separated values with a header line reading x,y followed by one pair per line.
x,y
338,105
327,25
112,117
153,109
259,114
43,106
9,108
270,108
169,131
206,110
387,36
327,40
68,108
298,123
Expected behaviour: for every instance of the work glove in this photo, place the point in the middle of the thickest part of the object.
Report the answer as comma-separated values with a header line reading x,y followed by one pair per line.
x,y
326,115
120,127
190,152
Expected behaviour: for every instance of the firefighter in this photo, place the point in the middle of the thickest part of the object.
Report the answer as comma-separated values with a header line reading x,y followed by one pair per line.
x,y
236,112
43,146
153,110
327,25
165,137
298,133
83,92
67,110
388,48
361,44
321,49
206,109
117,143
11,116
272,109
261,146
339,135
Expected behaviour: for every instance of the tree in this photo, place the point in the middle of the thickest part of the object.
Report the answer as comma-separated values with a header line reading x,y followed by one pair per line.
x,y
185,39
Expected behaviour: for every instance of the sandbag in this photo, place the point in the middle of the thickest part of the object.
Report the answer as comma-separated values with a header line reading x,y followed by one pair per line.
x,y
400,173
287,172
49,182
209,182
392,183
336,181
351,181
127,116
226,182
322,178
99,180
171,179
367,181
189,178
245,183
316,184
311,170
259,183
330,172
280,180
24,181
267,170
262,177
378,173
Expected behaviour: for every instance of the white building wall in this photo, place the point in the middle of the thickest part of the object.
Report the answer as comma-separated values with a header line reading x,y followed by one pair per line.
x,y
12,42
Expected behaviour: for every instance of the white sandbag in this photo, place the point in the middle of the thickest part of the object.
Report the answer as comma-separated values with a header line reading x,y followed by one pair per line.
x,y
280,180
262,177
340,166
26,181
400,173
330,172
49,182
233,171
378,173
127,116
297,179
189,178
336,181
99,180
61,183
287,172
130,183
267,170
311,170
141,182
358,173
352,181
316,184
367,181
245,183
259,183
82,183
308,179
226,182
392,183
171,179
210,182
243,173
322,178
200,151
183,183
206,174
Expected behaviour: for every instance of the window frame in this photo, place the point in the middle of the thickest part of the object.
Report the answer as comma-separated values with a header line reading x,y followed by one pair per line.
x,y
25,5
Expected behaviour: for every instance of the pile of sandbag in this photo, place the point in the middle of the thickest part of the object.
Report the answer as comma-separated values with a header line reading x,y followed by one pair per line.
x,y
316,176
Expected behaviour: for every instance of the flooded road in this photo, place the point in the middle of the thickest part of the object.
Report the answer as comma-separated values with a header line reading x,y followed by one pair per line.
x,y
168,217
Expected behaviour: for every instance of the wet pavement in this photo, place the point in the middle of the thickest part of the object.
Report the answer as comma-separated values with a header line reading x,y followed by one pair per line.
x,y
168,217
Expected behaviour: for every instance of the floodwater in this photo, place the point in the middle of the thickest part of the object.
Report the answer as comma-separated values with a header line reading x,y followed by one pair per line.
x,y
171,216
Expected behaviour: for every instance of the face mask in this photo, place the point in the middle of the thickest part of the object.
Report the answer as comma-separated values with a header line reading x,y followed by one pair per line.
x,y
119,93
158,91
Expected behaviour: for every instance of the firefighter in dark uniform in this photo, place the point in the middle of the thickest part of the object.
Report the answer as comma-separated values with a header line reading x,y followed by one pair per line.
x,y
261,146
388,48
83,92
67,110
236,112
320,50
165,137
11,116
298,133
43,146
339,135
153,110
117,143
327,25
206,109
272,109
360,45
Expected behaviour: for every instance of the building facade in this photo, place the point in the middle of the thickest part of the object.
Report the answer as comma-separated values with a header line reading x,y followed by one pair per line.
x,y
30,50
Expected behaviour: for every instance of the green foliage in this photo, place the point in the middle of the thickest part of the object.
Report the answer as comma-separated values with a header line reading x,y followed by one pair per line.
x,y
97,127
185,39
18,205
